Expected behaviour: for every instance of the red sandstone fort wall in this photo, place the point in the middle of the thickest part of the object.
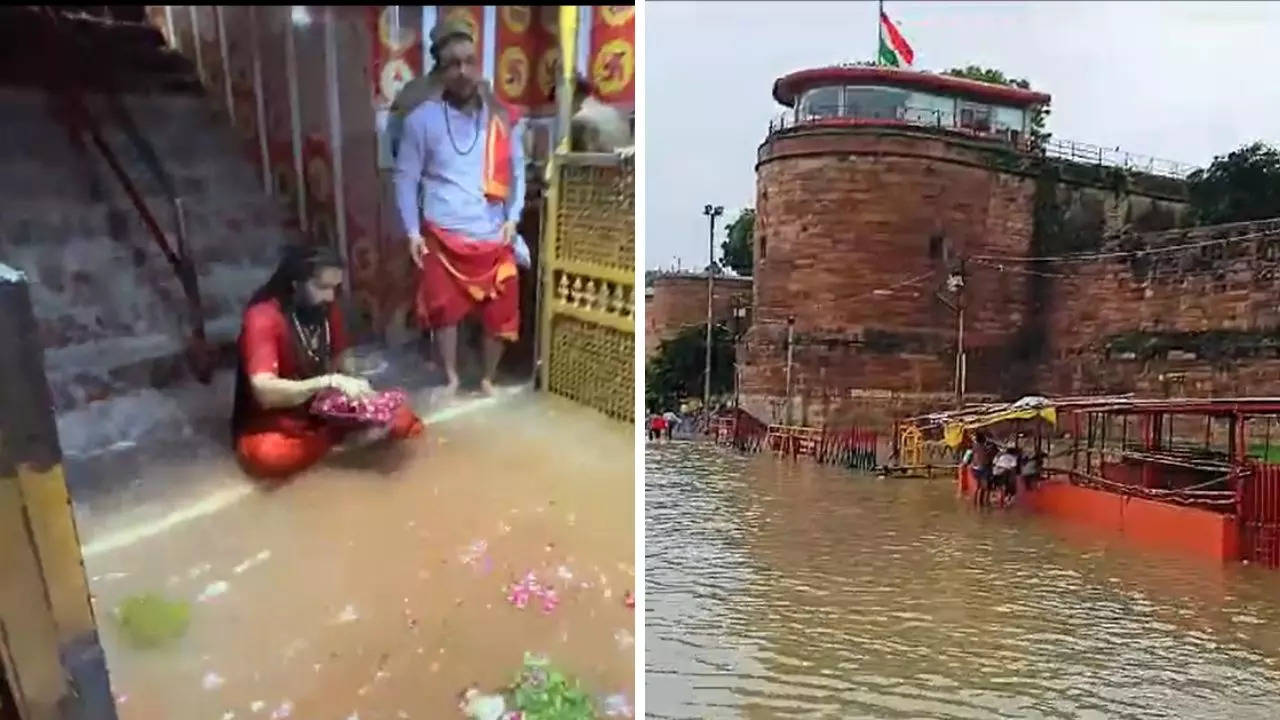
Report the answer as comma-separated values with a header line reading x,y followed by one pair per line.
x,y
850,234
680,300
1197,321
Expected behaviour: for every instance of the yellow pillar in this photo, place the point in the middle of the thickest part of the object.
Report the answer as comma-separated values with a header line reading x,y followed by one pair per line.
x,y
568,27
52,661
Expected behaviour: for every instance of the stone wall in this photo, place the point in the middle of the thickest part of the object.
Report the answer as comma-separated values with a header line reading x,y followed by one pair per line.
x,y
1199,320
856,232
679,300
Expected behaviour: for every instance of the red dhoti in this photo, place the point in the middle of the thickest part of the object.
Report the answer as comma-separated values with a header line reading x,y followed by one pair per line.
x,y
278,454
460,276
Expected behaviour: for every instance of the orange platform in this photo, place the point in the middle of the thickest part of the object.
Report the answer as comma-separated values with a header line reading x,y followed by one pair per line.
x,y
1197,532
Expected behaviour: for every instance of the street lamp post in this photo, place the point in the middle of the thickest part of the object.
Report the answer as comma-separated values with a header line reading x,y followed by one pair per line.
x,y
712,212
956,284
739,319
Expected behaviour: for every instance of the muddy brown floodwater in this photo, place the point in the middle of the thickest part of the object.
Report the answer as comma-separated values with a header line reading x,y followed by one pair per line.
x,y
782,589
357,593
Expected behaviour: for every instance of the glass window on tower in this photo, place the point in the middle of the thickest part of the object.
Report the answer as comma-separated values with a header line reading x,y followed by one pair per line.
x,y
820,103
875,103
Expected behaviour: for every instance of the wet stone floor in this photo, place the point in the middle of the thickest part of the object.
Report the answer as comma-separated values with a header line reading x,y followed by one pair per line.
x,y
375,587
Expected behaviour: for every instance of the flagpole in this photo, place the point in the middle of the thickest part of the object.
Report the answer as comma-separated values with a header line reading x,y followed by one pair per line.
x,y
879,31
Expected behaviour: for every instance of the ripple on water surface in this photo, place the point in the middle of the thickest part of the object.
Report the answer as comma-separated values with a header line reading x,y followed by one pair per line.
x,y
778,589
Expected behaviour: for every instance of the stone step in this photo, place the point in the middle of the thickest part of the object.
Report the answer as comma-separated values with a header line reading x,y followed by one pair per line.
x,y
93,41
143,81
29,102
91,179
79,375
134,55
111,310
178,128
46,220
158,111
111,30
110,291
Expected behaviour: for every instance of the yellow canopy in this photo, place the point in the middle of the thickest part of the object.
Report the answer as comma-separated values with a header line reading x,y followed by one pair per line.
x,y
953,432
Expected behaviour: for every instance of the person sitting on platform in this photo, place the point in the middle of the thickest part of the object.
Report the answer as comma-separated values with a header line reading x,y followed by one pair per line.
x,y
292,344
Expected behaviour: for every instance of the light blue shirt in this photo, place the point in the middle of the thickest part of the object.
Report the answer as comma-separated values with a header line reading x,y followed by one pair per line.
x,y
445,159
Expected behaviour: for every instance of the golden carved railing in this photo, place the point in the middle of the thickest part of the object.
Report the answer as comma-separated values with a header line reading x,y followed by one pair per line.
x,y
587,351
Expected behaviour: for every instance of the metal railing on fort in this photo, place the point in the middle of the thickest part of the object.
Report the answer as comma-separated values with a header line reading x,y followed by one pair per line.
x,y
1115,157
831,116
979,126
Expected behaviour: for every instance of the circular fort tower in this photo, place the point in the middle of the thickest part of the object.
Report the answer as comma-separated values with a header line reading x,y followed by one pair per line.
x,y
873,188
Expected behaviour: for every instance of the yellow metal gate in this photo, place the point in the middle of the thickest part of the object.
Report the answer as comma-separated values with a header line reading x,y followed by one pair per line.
x,y
588,283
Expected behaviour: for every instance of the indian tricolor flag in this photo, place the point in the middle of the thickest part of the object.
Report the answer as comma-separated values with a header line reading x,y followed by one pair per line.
x,y
894,49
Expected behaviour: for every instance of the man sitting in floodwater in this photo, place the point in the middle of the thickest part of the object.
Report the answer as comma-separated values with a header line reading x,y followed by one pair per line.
x,y
292,342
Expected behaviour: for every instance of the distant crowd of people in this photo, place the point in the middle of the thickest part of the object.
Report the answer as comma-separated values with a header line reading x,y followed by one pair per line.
x,y
661,425
1000,470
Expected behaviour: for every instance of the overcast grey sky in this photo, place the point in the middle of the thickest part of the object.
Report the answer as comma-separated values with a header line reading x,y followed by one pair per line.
x,y
1179,81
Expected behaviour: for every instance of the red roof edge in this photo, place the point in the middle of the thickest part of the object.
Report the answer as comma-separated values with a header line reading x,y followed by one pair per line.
x,y
788,87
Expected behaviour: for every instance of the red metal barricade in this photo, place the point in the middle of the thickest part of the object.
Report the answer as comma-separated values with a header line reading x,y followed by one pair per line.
x,y
1258,515
853,448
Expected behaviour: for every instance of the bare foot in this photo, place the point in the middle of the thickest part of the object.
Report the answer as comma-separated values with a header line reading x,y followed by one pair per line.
x,y
487,389
450,388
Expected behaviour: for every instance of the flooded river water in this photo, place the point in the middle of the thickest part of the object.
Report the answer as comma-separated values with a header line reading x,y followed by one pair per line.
x,y
784,589
376,591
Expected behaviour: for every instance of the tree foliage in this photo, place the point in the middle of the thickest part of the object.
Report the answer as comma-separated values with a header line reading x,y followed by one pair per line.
x,y
1040,116
1240,186
736,252
675,371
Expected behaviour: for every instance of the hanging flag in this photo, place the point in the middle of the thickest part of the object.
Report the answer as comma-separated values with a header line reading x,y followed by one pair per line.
x,y
894,49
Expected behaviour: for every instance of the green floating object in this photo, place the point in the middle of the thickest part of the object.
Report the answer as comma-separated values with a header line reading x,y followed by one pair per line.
x,y
543,693
151,621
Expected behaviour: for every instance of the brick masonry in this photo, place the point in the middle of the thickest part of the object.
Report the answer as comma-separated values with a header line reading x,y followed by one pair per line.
x,y
854,230
678,300
1201,320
